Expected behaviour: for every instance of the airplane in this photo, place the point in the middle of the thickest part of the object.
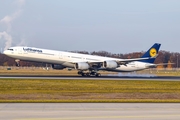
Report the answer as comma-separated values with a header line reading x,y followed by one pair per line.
x,y
87,65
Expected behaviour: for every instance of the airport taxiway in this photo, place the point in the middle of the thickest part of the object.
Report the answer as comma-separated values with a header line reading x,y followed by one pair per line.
x,y
89,111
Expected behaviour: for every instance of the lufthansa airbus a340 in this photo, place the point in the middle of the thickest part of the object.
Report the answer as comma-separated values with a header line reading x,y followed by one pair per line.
x,y
87,65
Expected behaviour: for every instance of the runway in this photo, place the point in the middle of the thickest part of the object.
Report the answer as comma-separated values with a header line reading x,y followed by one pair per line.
x,y
89,111
159,78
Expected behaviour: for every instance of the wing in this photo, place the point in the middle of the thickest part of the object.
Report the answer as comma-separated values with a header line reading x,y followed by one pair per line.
x,y
114,63
124,61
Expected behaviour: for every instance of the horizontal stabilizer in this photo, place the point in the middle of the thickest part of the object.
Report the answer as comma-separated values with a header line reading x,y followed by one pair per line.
x,y
155,65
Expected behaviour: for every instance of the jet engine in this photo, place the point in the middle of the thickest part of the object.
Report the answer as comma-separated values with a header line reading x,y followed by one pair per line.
x,y
110,64
57,66
82,66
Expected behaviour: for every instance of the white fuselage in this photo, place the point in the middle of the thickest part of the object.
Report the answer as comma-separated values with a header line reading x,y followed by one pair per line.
x,y
68,59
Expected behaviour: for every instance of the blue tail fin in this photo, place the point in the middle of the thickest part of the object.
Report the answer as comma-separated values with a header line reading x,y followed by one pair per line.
x,y
153,51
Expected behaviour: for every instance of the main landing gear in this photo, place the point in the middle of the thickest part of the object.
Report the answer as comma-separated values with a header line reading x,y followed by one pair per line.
x,y
91,73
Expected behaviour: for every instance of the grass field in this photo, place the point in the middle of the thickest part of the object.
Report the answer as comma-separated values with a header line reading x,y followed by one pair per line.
x,y
32,71
14,90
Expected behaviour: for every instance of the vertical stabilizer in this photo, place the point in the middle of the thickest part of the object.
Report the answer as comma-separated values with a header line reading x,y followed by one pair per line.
x,y
152,52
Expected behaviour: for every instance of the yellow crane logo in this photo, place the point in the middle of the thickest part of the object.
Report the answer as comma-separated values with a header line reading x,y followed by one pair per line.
x,y
153,52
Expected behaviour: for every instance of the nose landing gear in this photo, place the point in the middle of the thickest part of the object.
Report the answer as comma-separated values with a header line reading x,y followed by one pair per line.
x,y
17,62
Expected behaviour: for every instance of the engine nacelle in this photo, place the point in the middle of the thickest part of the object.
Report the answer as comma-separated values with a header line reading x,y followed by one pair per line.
x,y
57,66
82,66
110,64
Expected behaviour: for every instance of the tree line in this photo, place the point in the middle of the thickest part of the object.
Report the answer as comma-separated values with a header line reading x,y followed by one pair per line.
x,y
163,57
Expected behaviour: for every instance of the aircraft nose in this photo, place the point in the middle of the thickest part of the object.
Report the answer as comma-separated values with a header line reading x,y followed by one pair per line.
x,y
5,52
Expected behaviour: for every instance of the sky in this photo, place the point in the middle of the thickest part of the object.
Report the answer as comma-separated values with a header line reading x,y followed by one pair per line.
x,y
116,26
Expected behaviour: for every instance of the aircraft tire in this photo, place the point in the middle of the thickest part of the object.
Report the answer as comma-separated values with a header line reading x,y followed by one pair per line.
x,y
88,74
98,74
82,74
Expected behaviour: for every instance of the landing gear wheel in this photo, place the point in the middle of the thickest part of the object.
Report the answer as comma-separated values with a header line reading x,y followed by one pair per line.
x,y
88,74
79,72
82,74
17,64
98,74
91,73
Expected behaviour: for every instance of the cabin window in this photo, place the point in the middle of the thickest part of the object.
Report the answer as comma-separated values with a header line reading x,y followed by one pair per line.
x,y
10,49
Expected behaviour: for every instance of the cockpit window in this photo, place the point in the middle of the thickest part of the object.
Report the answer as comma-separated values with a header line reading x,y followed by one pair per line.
x,y
10,49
